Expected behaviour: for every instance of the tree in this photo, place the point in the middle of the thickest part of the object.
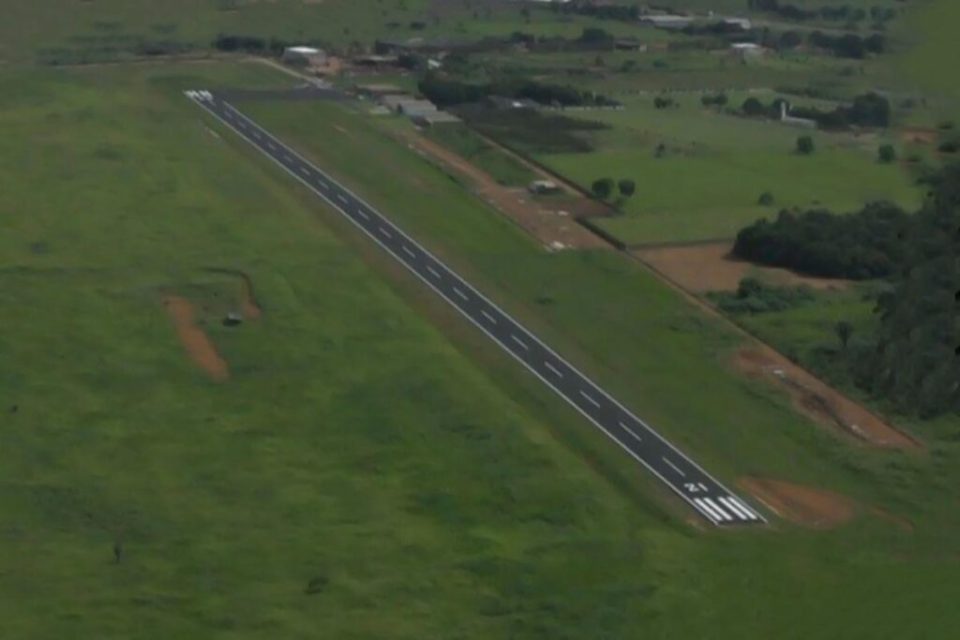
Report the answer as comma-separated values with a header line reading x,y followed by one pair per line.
x,y
844,331
805,145
753,107
766,199
626,187
887,153
602,188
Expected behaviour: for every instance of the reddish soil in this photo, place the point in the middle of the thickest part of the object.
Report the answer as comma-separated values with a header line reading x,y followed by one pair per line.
x,y
919,136
820,402
805,506
248,304
555,227
709,267
196,343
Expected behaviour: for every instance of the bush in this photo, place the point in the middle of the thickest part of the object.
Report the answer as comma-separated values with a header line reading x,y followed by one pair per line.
x,y
602,188
626,187
766,199
886,153
805,145
753,296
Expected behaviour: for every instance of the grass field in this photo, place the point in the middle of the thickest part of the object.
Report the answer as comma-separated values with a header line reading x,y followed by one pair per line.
x,y
74,31
462,140
708,183
649,349
373,468
318,463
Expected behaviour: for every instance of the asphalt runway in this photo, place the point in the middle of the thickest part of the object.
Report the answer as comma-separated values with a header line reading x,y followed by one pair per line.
x,y
695,486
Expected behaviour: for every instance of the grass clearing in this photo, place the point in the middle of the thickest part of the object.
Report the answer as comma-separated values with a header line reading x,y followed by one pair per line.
x,y
462,140
715,166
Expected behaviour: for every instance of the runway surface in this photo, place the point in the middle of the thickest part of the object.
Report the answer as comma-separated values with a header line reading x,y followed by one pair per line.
x,y
701,491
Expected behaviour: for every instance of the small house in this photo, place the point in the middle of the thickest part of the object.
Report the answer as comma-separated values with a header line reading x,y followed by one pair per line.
x,y
305,57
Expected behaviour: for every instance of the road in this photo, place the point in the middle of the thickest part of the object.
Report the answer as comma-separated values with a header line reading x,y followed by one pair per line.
x,y
701,491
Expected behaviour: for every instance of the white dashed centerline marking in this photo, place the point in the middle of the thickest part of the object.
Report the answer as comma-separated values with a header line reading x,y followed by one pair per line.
x,y
407,251
520,342
674,467
623,425
362,214
433,272
305,171
553,369
384,232
462,295
341,198
590,399
489,317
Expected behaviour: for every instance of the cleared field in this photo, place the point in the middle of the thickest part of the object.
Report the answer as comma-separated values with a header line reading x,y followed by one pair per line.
x,y
73,31
714,167
355,476
647,344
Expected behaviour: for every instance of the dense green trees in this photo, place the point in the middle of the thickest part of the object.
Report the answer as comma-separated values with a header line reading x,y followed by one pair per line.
x,y
867,110
446,91
913,360
602,188
858,246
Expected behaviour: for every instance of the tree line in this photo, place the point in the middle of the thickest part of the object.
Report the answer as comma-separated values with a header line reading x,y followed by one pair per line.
x,y
912,361
838,13
867,110
446,92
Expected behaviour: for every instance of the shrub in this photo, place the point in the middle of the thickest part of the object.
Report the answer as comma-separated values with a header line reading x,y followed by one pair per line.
x,y
805,145
887,153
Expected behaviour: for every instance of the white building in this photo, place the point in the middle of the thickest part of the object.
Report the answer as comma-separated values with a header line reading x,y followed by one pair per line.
x,y
305,56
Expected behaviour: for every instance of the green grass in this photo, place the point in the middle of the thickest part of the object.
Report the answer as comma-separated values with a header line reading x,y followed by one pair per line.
x,y
932,52
354,446
716,166
369,441
647,345
104,29
464,142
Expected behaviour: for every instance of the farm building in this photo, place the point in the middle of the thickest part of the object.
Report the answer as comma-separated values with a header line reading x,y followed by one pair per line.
x,y
543,187
747,50
435,118
671,22
305,56
378,90
408,105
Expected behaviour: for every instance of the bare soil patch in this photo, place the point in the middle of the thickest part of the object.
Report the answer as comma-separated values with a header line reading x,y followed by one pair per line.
x,y
917,135
802,505
709,267
814,398
552,223
196,343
